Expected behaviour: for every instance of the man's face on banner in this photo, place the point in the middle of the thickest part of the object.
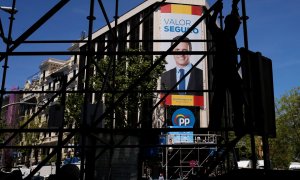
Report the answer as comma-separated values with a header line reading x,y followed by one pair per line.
x,y
182,59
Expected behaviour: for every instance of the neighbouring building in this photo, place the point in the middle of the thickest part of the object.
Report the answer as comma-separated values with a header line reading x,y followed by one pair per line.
x,y
38,86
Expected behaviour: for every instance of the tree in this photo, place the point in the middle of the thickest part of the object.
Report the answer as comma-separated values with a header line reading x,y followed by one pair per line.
x,y
31,138
73,110
2,126
113,77
286,146
128,69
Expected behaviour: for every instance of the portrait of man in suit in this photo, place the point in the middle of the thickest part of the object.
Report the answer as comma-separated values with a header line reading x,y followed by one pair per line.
x,y
192,84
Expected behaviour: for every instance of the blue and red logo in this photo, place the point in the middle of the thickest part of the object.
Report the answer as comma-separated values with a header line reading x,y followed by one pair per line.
x,y
183,117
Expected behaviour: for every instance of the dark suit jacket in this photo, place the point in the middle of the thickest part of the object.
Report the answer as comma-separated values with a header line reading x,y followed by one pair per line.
x,y
168,80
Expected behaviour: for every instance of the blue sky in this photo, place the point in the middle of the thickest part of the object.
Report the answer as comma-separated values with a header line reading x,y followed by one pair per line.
x,y
273,30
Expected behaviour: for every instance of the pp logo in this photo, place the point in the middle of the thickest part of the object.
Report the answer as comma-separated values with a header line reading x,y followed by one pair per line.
x,y
183,117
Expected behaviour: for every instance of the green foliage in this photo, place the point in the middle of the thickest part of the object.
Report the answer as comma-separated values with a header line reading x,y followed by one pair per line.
x,y
2,126
73,110
244,146
30,138
127,70
113,77
286,146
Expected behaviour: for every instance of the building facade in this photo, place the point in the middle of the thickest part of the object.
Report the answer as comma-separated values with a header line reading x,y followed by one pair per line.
x,y
41,87
150,28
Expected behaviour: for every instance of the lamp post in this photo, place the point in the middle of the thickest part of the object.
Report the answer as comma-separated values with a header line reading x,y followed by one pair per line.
x,y
9,10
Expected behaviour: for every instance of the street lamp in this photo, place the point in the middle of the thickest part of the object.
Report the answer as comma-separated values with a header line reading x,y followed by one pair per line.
x,y
15,103
9,10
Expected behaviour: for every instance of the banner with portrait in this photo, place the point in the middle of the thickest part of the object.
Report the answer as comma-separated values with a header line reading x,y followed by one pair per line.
x,y
175,21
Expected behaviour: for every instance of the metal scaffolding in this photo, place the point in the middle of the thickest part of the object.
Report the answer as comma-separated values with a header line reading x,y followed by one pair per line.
x,y
95,140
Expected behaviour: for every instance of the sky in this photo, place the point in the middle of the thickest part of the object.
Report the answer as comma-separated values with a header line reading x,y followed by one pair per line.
x,y
273,30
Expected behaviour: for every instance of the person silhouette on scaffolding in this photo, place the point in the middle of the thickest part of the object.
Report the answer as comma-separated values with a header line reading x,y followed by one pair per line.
x,y
226,79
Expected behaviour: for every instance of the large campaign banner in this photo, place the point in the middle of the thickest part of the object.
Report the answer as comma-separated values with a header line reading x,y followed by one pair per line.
x,y
176,19
185,71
